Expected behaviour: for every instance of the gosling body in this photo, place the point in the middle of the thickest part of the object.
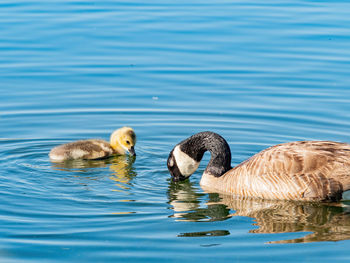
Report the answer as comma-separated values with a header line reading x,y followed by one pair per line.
x,y
303,170
122,141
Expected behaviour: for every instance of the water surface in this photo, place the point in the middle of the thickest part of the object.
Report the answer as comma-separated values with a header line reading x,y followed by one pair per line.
x,y
258,73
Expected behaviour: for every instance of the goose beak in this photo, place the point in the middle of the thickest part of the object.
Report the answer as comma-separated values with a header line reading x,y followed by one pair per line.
x,y
178,178
131,151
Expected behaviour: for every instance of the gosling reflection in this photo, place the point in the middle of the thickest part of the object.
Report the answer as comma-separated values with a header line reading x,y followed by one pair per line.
x,y
123,171
326,222
121,167
85,165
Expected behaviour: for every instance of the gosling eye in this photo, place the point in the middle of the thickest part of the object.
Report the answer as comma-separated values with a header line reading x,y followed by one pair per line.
x,y
127,142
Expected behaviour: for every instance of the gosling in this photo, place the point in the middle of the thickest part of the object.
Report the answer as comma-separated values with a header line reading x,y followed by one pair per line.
x,y
121,141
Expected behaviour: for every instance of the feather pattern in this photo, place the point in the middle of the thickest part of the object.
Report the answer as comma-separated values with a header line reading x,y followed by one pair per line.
x,y
121,141
303,170
84,149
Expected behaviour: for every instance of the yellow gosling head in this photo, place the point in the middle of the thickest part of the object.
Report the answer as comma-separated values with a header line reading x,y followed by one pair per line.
x,y
123,140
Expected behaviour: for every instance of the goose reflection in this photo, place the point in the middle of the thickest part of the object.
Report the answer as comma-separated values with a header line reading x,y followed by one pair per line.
x,y
322,222
185,200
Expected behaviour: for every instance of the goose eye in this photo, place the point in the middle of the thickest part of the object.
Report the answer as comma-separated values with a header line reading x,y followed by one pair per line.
x,y
128,142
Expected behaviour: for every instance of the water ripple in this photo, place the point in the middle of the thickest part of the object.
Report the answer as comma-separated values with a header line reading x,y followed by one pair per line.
x,y
258,73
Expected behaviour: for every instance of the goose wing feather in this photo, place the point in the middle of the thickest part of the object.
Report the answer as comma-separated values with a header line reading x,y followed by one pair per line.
x,y
314,170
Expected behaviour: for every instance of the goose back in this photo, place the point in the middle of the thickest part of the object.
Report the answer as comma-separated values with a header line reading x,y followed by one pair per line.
x,y
304,170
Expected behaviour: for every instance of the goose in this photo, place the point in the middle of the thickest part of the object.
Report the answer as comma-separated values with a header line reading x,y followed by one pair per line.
x,y
301,170
121,141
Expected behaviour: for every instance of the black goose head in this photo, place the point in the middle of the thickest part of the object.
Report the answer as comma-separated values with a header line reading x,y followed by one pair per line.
x,y
181,164
184,159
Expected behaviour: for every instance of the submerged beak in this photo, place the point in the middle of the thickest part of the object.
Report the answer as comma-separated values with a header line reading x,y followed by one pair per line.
x,y
131,150
178,178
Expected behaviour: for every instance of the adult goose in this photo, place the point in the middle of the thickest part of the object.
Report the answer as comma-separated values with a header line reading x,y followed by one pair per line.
x,y
302,170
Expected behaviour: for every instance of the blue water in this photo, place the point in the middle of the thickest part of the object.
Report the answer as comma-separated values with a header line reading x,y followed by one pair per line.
x,y
258,73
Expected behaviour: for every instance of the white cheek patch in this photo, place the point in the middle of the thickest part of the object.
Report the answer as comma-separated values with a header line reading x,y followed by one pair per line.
x,y
171,162
185,163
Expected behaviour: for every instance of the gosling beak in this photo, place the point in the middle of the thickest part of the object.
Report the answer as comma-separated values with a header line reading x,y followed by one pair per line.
x,y
131,151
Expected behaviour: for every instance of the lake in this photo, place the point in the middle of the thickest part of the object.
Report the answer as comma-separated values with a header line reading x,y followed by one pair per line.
x,y
258,73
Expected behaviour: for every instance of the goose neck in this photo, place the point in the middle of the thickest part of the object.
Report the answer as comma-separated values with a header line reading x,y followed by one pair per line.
x,y
198,144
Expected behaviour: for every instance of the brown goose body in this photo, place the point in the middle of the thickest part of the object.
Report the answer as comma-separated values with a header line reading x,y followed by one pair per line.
x,y
303,170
